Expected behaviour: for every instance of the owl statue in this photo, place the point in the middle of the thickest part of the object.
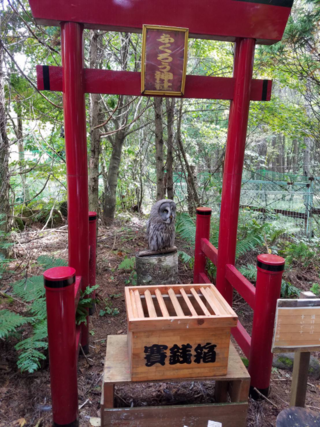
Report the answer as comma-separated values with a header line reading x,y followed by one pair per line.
x,y
161,228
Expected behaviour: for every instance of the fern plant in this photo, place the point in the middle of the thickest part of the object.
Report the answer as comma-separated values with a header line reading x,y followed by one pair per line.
x,y
85,303
249,271
31,349
187,259
186,227
288,290
9,322
250,234
32,292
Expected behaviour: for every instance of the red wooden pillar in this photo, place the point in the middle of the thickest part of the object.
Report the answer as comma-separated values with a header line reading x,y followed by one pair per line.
x,y
268,287
59,284
238,121
76,154
93,253
202,232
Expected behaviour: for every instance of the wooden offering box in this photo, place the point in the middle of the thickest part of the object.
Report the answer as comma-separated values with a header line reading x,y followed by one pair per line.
x,y
178,331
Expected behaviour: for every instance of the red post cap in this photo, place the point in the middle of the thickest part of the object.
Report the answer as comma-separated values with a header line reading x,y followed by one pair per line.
x,y
92,216
204,211
59,277
270,262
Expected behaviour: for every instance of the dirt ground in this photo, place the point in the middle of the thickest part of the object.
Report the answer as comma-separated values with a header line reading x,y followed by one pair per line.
x,y
25,398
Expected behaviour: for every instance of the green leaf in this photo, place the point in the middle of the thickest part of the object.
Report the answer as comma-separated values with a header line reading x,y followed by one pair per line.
x,y
127,264
184,256
186,227
30,355
48,262
30,289
9,322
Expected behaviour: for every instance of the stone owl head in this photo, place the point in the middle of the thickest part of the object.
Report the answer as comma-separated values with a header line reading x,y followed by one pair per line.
x,y
161,228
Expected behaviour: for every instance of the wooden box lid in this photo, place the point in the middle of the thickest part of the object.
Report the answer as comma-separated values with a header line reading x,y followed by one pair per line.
x,y
177,307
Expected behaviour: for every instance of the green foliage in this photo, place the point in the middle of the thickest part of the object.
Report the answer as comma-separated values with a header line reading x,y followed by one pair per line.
x,y
250,237
186,259
30,289
211,269
186,227
299,255
32,292
10,322
85,302
132,279
4,245
3,263
249,271
31,349
315,288
250,234
245,361
127,264
48,262
108,307
288,290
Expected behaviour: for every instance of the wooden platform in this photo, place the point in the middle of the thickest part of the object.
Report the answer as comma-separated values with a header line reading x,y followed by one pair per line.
x,y
117,371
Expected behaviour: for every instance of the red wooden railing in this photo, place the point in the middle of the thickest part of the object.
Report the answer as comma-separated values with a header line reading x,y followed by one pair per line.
x,y
262,299
62,296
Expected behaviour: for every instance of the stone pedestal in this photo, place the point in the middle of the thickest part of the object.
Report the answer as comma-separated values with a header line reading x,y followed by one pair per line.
x,y
157,268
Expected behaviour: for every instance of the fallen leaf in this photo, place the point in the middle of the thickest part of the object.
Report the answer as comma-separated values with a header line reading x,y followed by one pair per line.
x,y
39,422
20,422
120,332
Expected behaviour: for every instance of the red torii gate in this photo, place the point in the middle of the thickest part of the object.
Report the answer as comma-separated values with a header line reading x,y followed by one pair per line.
x,y
245,22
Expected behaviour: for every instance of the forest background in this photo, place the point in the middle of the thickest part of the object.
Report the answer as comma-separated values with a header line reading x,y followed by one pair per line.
x,y
142,149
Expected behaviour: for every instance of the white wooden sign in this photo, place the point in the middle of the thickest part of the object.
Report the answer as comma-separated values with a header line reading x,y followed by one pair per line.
x,y
297,325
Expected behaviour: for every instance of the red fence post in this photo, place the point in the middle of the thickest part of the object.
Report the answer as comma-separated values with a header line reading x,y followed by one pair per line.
x,y
233,165
59,284
93,253
268,288
76,155
202,232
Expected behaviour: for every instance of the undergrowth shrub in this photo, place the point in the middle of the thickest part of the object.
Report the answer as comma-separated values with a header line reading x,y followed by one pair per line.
x,y
251,234
32,292
249,271
300,255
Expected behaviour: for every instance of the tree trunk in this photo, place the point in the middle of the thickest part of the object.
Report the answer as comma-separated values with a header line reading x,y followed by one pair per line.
x,y
295,161
190,179
110,191
170,120
159,147
262,152
191,199
307,156
282,150
95,143
4,153
19,135
274,153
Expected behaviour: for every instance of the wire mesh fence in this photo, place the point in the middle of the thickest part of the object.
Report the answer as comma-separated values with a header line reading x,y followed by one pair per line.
x,y
290,201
